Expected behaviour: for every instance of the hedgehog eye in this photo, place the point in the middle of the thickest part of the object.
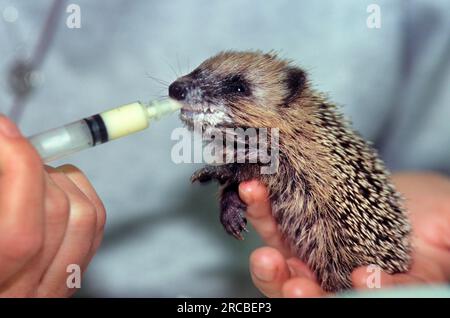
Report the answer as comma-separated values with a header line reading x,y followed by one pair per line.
x,y
240,88
236,85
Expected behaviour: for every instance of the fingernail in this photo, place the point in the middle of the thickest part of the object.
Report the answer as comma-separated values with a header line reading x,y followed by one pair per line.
x,y
247,189
264,272
295,292
67,169
8,128
246,186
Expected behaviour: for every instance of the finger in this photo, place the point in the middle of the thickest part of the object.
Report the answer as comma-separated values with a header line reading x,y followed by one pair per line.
x,y
302,283
366,277
259,213
56,216
81,208
302,287
299,269
57,211
21,200
269,271
77,242
80,180
433,227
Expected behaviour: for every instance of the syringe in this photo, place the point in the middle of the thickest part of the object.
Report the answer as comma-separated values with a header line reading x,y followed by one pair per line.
x,y
100,128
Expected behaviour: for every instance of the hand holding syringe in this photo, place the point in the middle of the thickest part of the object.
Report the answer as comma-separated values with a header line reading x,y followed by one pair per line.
x,y
97,129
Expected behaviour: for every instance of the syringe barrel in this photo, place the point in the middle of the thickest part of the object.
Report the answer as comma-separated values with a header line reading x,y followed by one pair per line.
x,y
63,141
111,124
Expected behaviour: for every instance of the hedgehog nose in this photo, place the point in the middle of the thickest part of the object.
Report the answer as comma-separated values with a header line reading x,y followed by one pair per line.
x,y
178,90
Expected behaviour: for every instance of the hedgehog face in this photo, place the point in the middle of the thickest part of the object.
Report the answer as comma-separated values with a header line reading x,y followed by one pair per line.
x,y
237,89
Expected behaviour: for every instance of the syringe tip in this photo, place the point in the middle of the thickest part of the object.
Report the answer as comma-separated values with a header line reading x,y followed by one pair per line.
x,y
157,109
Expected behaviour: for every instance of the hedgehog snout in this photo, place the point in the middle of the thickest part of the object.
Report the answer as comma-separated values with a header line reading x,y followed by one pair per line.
x,y
178,90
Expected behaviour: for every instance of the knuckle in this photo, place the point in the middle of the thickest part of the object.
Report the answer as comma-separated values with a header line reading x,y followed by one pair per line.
x,y
83,215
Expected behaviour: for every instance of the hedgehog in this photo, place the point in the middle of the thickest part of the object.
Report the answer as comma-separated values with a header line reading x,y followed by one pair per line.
x,y
331,195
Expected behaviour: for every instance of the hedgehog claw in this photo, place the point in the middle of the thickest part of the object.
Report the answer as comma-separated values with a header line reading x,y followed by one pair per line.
x,y
208,173
239,237
233,221
235,232
238,226
243,224
202,175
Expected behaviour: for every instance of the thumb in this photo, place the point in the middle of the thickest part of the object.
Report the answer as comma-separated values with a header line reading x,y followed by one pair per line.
x,y
21,197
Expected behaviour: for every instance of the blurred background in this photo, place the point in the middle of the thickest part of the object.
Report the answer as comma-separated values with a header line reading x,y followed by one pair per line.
x,y
163,237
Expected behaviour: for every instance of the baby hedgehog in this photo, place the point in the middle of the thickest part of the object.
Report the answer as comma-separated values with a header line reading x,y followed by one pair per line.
x,y
331,196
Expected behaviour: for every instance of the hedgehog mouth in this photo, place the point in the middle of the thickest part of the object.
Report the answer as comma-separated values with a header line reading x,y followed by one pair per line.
x,y
204,116
189,112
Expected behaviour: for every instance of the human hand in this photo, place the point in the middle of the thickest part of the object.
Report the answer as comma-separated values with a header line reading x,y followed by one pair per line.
x,y
277,273
427,200
49,218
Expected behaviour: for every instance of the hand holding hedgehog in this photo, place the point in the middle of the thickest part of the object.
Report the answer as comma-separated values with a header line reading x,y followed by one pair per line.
x,y
276,273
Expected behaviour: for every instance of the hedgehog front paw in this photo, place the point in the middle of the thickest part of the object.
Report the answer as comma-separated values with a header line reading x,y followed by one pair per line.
x,y
232,217
208,173
203,175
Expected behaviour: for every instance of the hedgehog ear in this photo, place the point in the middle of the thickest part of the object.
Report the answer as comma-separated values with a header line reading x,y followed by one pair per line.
x,y
295,82
272,55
